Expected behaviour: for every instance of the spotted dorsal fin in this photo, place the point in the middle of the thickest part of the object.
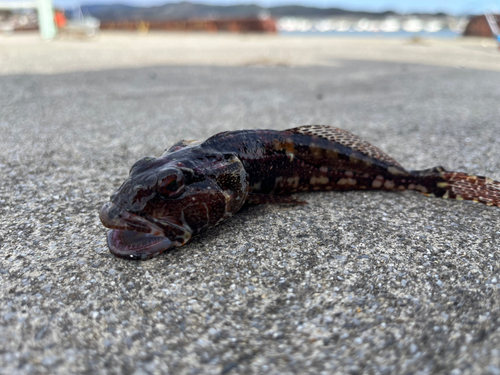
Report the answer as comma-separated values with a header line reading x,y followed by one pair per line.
x,y
346,139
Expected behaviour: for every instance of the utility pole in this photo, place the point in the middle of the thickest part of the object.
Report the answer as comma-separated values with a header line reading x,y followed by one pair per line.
x,y
46,19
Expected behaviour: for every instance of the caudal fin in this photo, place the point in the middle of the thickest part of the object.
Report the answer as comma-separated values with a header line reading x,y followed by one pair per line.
x,y
474,188
461,186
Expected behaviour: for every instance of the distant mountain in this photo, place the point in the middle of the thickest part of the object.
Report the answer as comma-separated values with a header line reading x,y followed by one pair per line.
x,y
302,11
178,11
186,10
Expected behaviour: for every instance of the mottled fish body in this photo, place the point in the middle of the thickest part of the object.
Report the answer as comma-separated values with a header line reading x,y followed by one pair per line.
x,y
196,185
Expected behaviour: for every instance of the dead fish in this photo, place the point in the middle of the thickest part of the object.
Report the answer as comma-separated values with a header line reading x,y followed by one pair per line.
x,y
193,186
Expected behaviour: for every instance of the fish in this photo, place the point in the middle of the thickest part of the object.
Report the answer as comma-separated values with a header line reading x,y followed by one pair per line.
x,y
196,185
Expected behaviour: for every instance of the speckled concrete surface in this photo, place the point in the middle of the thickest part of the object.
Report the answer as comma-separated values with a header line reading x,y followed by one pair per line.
x,y
353,283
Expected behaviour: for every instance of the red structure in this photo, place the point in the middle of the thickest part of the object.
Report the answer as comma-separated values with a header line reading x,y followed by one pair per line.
x,y
246,25
478,26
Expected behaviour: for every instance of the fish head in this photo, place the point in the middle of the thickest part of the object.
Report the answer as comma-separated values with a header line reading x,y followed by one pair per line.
x,y
164,202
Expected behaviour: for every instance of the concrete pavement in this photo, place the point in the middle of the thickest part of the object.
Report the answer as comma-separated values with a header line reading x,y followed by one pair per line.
x,y
356,282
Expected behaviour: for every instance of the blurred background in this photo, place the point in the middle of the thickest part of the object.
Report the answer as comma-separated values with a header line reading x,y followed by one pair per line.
x,y
388,18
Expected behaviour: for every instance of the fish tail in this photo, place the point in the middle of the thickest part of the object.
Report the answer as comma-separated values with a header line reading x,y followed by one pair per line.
x,y
457,185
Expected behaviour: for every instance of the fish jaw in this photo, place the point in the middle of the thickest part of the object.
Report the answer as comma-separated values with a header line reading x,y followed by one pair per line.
x,y
134,245
132,236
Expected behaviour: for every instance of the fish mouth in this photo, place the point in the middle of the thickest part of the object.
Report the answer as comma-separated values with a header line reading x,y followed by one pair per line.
x,y
132,236
129,244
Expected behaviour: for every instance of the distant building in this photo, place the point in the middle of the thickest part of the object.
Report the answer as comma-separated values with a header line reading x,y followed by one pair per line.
x,y
239,25
478,26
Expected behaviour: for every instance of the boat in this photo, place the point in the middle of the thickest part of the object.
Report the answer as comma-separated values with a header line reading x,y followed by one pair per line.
x,y
433,26
390,25
413,25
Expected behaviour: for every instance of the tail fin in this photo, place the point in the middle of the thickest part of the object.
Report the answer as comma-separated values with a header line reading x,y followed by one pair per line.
x,y
460,186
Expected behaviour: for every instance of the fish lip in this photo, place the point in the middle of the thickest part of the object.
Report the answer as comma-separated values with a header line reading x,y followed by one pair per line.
x,y
113,217
135,245
132,236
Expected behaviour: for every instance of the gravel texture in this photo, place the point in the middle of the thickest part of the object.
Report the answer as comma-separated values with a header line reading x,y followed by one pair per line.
x,y
356,282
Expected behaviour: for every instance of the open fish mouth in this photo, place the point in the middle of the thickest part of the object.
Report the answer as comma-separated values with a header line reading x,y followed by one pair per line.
x,y
132,236
129,244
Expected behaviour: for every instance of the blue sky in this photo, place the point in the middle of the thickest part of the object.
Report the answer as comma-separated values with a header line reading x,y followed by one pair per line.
x,y
403,6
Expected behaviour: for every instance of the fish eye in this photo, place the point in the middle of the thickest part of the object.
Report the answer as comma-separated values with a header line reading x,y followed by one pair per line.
x,y
171,186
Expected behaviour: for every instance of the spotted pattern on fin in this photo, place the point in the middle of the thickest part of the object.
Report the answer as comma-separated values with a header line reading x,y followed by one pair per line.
x,y
479,189
347,139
